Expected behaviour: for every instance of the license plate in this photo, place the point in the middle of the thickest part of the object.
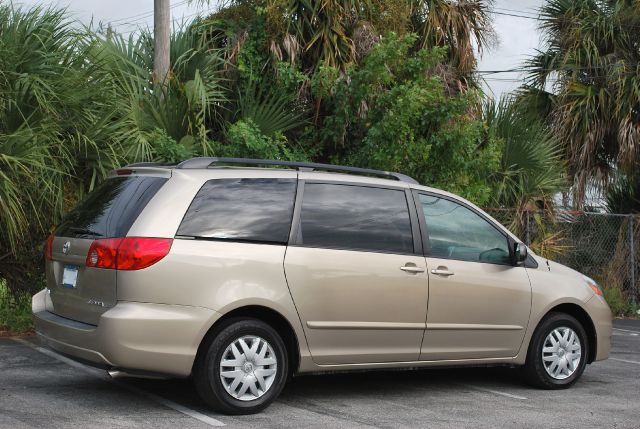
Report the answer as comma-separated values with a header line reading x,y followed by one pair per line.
x,y
70,276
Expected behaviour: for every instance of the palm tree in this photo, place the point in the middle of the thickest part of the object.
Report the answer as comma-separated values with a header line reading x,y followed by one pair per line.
x,y
187,108
74,105
585,83
532,170
337,33
463,26
56,133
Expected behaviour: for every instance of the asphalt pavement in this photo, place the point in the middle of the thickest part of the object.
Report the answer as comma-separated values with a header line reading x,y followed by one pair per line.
x,y
39,388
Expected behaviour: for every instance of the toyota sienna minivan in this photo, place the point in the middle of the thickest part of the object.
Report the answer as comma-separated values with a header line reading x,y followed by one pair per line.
x,y
239,273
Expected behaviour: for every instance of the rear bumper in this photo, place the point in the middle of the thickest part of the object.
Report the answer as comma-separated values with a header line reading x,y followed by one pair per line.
x,y
145,337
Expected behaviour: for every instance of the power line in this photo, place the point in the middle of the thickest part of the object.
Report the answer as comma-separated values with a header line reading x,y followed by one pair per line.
x,y
174,20
567,69
519,70
534,11
144,15
516,15
497,79
519,14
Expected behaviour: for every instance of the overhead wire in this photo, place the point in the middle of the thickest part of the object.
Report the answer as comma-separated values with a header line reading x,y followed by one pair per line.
x,y
174,20
144,15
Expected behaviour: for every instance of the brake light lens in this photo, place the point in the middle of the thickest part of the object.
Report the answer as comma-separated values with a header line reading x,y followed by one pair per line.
x,y
129,253
48,248
124,172
138,253
103,253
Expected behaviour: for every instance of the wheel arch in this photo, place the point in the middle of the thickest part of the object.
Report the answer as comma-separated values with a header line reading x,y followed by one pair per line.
x,y
265,314
581,315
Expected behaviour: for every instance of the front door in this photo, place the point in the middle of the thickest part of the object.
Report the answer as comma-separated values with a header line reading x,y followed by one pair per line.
x,y
358,282
479,302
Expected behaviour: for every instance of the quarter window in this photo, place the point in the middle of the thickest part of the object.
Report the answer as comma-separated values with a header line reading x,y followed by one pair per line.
x,y
257,210
456,232
355,217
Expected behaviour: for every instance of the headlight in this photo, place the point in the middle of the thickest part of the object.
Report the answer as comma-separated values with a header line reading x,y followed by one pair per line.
x,y
593,285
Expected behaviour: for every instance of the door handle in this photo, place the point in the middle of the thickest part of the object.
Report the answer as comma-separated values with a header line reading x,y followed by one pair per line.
x,y
412,269
442,272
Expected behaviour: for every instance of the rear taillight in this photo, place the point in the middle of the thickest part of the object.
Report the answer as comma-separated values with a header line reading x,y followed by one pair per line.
x,y
129,253
137,253
103,253
48,248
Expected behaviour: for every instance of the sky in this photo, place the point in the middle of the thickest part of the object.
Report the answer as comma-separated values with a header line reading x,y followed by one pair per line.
x,y
517,35
518,39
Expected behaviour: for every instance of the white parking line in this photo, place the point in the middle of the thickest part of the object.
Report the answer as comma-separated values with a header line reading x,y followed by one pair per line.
x,y
625,360
103,376
624,334
495,392
627,330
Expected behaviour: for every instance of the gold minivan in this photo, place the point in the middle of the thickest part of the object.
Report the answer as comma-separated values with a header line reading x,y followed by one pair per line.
x,y
239,273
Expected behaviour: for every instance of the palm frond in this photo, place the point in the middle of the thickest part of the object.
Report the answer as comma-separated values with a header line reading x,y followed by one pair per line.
x,y
270,111
531,168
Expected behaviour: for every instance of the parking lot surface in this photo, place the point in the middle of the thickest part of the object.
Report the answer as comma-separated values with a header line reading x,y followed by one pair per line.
x,y
39,388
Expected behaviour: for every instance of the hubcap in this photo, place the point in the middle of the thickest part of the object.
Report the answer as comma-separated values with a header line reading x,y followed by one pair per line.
x,y
561,353
248,368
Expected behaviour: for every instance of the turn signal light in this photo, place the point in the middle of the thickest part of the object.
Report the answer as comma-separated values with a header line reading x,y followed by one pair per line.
x,y
596,289
129,253
593,285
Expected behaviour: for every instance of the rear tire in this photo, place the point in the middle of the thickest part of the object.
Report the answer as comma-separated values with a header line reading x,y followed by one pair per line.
x,y
242,367
558,352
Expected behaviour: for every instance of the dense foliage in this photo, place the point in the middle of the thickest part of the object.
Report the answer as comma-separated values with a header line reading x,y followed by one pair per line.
x,y
57,136
393,113
387,84
372,83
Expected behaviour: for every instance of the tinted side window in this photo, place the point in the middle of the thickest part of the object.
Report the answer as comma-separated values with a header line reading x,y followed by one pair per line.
x,y
355,217
111,208
455,232
242,209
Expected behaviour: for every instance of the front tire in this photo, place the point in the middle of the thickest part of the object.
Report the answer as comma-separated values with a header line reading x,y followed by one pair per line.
x,y
557,353
242,368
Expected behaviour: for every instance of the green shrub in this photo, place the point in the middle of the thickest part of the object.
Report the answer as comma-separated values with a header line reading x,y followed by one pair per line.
x,y
394,113
15,311
167,150
620,305
246,140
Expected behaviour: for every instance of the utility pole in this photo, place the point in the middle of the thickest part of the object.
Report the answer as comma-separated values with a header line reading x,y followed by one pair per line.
x,y
161,34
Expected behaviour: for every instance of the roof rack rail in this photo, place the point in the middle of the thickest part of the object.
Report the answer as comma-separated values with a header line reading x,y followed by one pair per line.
x,y
205,162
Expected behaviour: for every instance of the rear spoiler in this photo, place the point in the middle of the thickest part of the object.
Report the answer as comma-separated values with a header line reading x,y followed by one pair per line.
x,y
143,168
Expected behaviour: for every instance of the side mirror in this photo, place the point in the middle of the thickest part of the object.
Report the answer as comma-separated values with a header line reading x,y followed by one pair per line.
x,y
520,253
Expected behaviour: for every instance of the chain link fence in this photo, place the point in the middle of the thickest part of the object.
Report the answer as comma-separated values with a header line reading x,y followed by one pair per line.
x,y
601,245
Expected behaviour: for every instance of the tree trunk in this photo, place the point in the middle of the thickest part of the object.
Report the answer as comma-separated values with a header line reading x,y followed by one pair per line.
x,y
161,24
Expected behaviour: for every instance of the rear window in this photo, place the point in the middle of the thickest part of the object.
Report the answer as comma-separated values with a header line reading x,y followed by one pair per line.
x,y
255,210
111,208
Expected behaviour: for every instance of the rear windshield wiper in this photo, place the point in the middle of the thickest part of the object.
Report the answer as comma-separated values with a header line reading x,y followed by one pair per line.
x,y
85,232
